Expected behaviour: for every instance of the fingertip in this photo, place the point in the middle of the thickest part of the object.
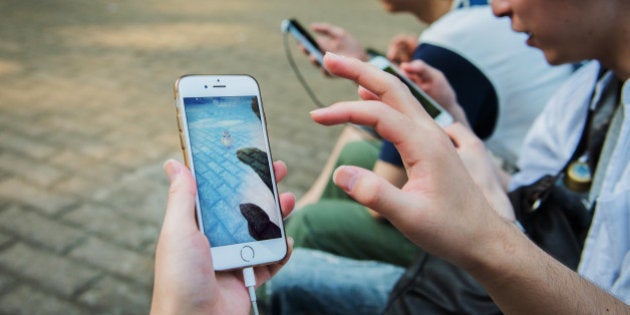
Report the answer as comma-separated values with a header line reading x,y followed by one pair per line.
x,y
280,169
333,62
172,168
290,242
280,165
316,114
287,203
413,65
330,57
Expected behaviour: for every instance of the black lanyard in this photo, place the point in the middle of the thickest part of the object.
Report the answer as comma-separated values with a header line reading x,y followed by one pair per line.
x,y
578,173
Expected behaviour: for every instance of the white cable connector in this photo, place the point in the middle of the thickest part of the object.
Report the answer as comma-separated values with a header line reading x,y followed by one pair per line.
x,y
250,284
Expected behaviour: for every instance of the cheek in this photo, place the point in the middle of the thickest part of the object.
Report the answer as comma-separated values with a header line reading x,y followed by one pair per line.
x,y
562,45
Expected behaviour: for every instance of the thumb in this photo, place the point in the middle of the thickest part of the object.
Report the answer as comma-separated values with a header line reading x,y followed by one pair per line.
x,y
180,208
370,190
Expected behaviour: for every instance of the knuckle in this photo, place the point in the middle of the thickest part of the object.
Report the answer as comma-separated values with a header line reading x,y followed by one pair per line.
x,y
370,192
180,187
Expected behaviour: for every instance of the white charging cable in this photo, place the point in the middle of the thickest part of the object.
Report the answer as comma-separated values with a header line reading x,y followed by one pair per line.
x,y
250,284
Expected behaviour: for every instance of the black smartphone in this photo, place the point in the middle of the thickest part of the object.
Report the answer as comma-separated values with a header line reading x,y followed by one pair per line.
x,y
293,27
439,114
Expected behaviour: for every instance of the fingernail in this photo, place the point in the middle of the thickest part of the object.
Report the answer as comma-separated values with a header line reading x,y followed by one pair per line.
x,y
172,169
317,111
331,55
346,177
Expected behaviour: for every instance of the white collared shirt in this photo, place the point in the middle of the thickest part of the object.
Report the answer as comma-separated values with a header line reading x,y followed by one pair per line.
x,y
549,144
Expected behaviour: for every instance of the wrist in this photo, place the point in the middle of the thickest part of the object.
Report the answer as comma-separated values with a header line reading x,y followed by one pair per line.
x,y
497,260
169,303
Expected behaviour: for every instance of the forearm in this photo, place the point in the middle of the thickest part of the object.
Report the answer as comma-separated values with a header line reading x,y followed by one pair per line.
x,y
523,279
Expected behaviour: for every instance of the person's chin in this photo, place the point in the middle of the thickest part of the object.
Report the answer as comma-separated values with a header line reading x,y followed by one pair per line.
x,y
387,6
554,58
550,54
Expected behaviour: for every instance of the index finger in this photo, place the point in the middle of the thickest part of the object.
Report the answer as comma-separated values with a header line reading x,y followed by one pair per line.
x,y
385,86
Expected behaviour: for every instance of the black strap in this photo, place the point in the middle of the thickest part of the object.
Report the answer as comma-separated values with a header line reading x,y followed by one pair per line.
x,y
598,122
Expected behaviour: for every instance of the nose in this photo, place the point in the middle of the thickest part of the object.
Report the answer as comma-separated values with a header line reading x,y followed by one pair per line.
x,y
501,8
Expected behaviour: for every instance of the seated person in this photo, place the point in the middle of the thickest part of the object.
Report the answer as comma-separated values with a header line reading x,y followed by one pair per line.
x,y
502,85
453,205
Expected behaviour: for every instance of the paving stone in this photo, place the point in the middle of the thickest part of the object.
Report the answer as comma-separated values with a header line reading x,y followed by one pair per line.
x,y
100,172
32,170
140,194
56,273
116,297
81,187
116,259
49,202
110,224
5,238
26,300
40,229
26,146
6,281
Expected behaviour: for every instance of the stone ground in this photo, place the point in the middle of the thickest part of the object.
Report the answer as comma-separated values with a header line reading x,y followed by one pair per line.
x,y
87,119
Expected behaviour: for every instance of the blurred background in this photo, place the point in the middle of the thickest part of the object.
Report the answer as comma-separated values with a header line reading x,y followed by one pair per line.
x,y
87,120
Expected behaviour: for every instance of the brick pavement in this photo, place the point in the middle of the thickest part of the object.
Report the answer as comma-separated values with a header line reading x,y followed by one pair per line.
x,y
86,121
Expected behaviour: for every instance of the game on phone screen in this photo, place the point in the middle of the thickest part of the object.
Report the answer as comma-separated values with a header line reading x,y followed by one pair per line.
x,y
232,169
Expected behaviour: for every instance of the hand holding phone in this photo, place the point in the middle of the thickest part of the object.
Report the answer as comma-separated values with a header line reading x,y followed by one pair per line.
x,y
182,275
224,140
293,27
439,114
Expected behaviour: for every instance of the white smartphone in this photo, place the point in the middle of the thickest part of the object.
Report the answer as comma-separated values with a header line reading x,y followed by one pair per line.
x,y
439,114
225,144
293,27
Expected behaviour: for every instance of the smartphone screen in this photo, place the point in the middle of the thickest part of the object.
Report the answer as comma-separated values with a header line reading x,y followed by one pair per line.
x,y
231,168
225,144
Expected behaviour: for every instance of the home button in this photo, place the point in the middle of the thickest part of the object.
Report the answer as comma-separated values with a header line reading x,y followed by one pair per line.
x,y
247,253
